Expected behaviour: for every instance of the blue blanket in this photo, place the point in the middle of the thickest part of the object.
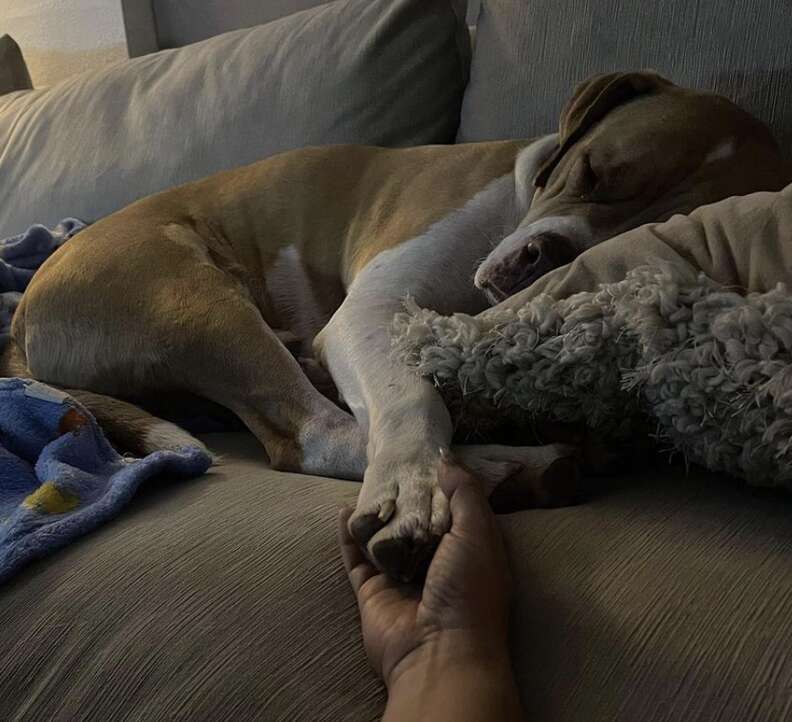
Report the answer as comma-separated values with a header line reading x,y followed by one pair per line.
x,y
20,257
59,476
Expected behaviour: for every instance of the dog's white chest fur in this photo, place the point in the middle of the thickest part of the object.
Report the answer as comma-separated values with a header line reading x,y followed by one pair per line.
x,y
295,301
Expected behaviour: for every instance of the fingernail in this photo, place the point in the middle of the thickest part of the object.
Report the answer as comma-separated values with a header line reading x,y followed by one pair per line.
x,y
445,455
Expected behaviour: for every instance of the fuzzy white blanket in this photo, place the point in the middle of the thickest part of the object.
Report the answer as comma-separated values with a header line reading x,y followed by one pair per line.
x,y
708,360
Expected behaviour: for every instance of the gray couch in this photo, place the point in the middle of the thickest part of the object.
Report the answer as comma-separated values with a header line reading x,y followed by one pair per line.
x,y
667,596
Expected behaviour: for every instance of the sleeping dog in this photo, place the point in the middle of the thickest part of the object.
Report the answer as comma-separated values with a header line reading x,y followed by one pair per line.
x,y
202,287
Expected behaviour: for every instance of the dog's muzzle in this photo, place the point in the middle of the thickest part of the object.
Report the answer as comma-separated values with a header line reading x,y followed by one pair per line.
x,y
503,277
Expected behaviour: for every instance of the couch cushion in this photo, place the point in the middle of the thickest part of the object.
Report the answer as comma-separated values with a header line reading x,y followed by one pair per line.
x,y
13,70
664,598
385,72
180,22
667,598
217,598
530,55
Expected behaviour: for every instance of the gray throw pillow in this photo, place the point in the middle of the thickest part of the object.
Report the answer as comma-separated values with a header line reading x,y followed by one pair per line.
x,y
383,72
531,53
13,71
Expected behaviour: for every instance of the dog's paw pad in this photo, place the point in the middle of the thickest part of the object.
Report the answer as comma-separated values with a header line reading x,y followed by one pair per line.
x,y
404,558
401,515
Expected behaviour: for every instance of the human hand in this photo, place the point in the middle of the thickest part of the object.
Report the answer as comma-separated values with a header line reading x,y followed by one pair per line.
x,y
461,613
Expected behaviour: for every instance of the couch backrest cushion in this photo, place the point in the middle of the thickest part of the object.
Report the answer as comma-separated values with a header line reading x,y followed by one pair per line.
x,y
531,53
13,70
179,22
383,72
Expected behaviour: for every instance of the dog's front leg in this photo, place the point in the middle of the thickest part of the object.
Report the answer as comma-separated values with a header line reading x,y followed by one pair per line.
x,y
401,512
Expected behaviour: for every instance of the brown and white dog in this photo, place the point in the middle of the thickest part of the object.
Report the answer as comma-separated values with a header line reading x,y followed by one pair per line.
x,y
198,287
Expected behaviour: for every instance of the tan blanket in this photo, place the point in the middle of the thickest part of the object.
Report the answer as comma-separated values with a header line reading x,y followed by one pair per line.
x,y
744,241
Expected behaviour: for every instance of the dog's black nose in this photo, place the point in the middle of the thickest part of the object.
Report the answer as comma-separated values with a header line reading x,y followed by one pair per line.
x,y
518,270
548,251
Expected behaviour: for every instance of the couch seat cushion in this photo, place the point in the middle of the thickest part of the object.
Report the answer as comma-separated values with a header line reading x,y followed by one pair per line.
x,y
664,598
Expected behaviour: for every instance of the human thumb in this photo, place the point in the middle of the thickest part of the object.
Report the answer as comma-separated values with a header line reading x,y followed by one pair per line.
x,y
470,509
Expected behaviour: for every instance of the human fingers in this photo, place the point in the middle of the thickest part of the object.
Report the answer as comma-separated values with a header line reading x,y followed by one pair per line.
x,y
358,568
470,510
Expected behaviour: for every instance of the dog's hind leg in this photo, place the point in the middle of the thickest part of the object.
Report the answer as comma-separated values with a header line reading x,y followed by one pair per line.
x,y
234,358
131,429
128,427
181,326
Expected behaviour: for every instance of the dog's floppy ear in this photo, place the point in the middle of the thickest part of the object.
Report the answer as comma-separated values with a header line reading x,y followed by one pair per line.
x,y
593,100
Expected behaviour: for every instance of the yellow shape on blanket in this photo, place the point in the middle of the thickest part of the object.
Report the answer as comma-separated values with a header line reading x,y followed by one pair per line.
x,y
49,499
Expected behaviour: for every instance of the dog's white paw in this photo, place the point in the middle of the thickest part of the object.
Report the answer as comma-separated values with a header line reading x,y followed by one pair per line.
x,y
401,514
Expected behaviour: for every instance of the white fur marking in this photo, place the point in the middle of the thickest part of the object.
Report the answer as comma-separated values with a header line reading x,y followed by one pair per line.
x,y
293,297
724,150
435,269
448,250
164,435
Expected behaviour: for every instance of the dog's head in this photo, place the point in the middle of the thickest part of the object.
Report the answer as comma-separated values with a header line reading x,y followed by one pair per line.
x,y
632,148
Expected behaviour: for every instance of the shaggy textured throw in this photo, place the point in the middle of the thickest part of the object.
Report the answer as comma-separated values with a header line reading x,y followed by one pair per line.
x,y
710,365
